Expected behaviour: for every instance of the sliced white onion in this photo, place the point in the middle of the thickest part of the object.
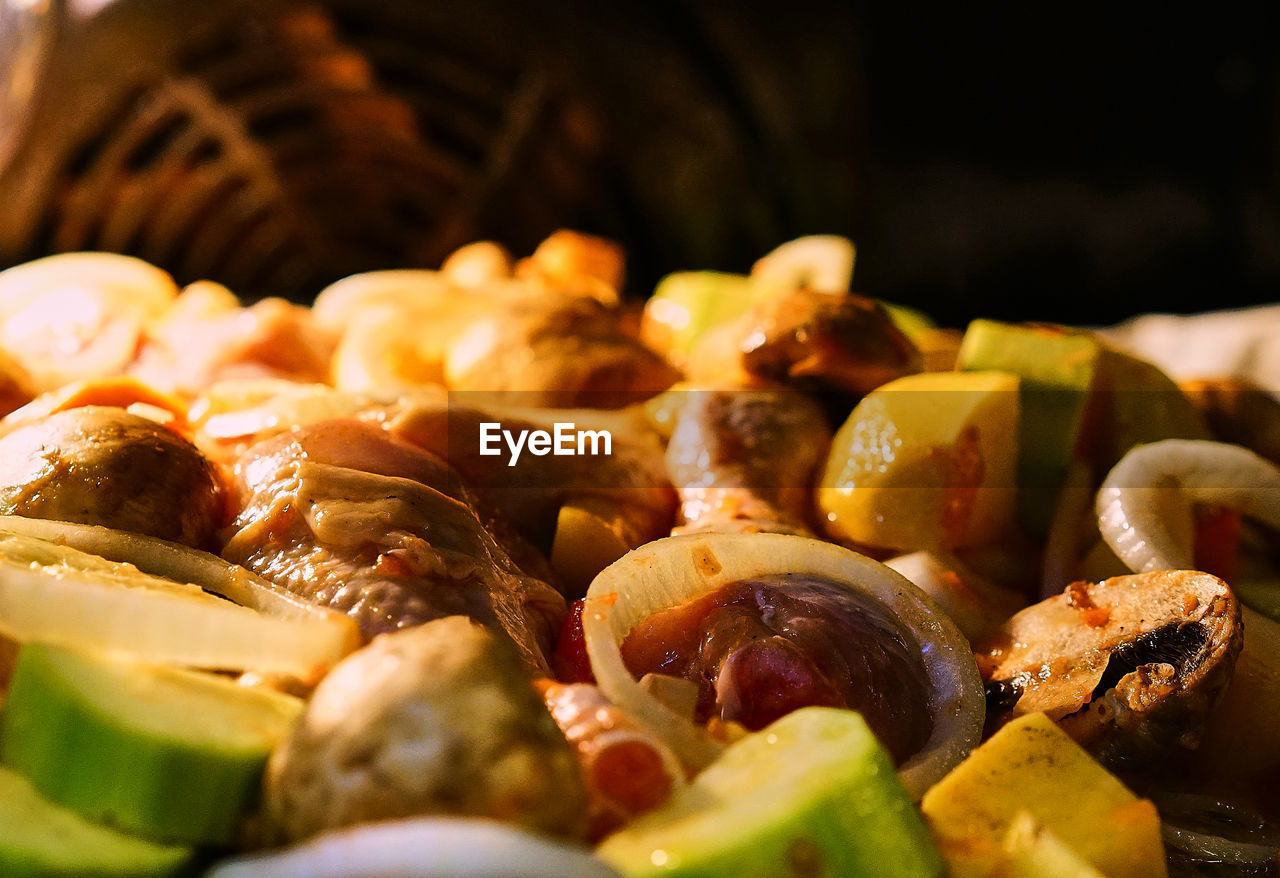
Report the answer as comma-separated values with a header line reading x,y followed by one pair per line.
x,y
672,571
823,263
99,588
1239,736
422,848
1145,504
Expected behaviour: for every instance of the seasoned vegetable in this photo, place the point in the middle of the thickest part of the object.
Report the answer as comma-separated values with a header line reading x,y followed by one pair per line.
x,y
976,604
925,462
687,304
1032,850
44,840
1056,371
813,794
435,847
51,592
1145,505
1032,768
159,752
439,719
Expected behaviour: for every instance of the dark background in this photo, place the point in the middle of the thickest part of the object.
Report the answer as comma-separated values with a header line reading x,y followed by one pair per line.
x,y
1051,162
1080,166
1021,161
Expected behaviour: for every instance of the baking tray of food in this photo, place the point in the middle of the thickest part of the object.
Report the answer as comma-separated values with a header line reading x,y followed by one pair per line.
x,y
359,522
490,570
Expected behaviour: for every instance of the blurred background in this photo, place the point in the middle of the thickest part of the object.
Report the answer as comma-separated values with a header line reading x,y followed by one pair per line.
x,y
1002,162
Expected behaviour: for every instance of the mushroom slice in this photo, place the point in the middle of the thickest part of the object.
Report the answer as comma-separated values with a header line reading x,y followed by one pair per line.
x,y
806,339
1129,666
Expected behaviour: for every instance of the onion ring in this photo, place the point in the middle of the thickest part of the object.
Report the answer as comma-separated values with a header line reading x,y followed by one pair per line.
x,y
1145,504
674,570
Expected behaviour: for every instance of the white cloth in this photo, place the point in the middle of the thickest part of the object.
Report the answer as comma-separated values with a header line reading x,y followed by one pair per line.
x,y
1240,344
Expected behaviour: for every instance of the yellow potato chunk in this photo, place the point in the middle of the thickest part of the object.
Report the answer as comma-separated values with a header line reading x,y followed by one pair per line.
x,y
1031,767
924,462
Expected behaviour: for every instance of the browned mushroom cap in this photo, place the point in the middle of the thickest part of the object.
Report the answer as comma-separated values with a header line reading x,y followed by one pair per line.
x,y
807,339
438,719
554,350
104,465
1129,667
745,460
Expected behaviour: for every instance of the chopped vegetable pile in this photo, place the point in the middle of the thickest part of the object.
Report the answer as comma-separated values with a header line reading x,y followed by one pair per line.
x,y
497,570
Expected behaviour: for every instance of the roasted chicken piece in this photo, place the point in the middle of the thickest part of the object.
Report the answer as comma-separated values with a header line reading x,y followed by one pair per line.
x,y
624,489
354,519
745,460
809,340
761,624
104,465
554,350
628,486
208,336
